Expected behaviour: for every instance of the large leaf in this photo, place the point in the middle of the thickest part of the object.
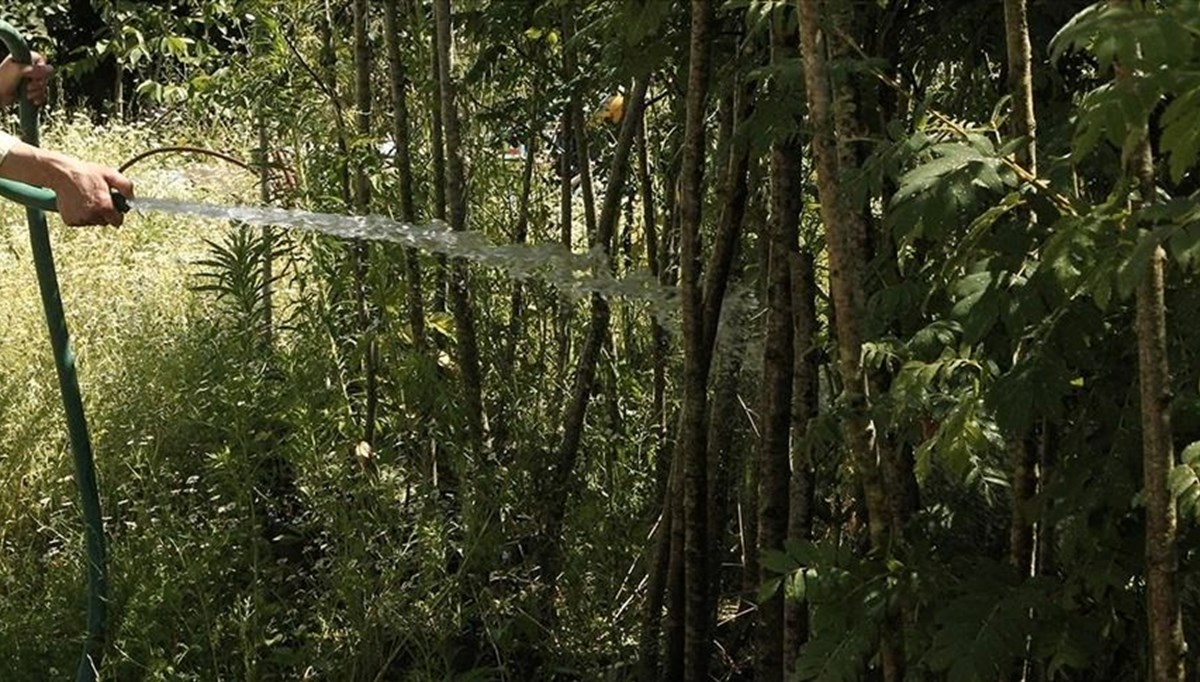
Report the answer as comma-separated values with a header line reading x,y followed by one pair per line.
x,y
1185,481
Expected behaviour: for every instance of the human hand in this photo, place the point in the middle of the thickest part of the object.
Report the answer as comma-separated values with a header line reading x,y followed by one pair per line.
x,y
85,190
37,76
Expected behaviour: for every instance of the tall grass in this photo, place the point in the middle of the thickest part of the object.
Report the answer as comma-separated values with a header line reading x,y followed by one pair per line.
x,y
248,541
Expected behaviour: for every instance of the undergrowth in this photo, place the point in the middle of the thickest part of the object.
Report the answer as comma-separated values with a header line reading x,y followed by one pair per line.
x,y
250,537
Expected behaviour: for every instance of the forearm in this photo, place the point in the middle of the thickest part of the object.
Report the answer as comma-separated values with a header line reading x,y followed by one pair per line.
x,y
32,165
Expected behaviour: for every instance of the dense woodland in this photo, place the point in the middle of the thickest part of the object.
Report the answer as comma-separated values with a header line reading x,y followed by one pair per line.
x,y
923,404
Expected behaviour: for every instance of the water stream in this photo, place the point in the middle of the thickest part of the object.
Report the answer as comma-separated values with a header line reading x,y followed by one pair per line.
x,y
573,274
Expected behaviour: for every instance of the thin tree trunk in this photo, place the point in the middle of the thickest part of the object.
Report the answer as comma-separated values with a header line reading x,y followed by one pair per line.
x,y
1158,453
1162,563
658,335
520,236
516,311
674,652
464,314
329,67
774,454
438,182
579,130
717,272
844,238
566,225
268,235
658,577
697,628
805,375
119,91
729,230
727,367
362,203
402,141
1020,84
560,478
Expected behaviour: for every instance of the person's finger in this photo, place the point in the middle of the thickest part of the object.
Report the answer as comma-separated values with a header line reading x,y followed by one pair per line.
x,y
119,182
39,73
36,93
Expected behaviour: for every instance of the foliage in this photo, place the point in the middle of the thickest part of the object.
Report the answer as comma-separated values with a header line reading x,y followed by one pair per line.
x,y
247,511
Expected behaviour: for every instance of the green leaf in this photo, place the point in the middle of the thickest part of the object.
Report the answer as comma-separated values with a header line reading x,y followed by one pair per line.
x,y
779,562
1133,270
768,589
835,655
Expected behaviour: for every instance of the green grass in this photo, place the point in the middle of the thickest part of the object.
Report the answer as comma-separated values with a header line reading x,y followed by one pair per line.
x,y
129,304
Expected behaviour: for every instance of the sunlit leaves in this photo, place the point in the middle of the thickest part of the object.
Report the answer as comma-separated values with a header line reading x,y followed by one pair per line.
x,y
1181,135
942,189
1156,48
1185,481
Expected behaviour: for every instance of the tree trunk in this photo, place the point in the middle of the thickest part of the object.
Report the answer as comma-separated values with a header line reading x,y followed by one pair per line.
x,y
717,274
658,335
1020,84
674,652
844,234
805,375
774,454
697,642
329,69
658,577
268,235
1162,564
1158,453
579,130
438,181
729,230
585,375
722,432
362,203
464,314
401,139
566,228
516,309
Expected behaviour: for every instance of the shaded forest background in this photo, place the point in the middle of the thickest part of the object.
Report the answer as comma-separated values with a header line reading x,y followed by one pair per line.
x,y
924,403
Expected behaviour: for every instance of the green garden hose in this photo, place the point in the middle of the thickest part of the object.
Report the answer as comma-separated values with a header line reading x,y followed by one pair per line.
x,y
37,201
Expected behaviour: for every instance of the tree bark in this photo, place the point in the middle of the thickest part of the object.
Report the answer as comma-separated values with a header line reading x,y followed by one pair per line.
x,y
718,271
438,181
733,214
402,140
516,309
658,335
362,203
1023,125
844,233
805,375
578,129
1162,563
464,314
1158,452
268,235
566,228
674,653
774,455
697,629
658,577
